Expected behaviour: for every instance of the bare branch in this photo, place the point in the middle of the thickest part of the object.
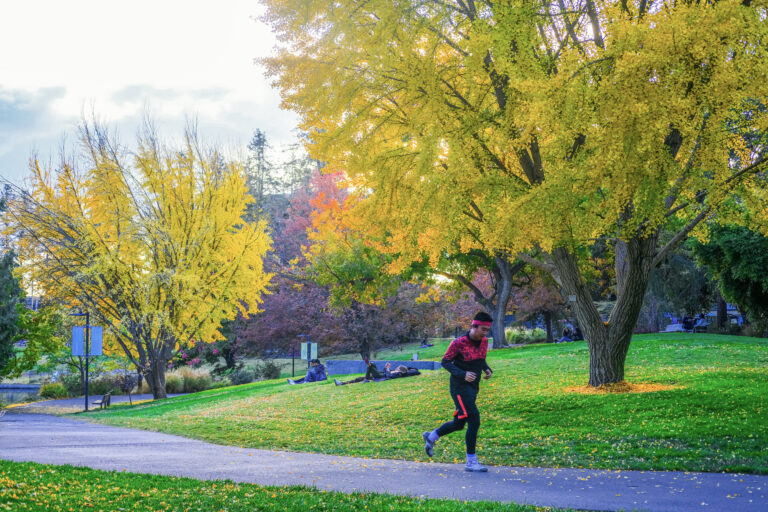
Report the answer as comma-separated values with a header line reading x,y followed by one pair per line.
x,y
477,292
448,41
570,28
680,236
595,22
548,267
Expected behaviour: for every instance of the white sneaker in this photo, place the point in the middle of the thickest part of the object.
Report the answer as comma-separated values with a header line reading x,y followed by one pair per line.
x,y
475,467
428,445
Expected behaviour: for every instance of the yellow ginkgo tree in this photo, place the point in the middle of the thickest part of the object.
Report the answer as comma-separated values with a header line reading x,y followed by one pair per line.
x,y
151,242
536,128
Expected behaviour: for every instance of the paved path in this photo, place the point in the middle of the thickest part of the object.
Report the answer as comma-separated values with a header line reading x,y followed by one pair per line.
x,y
56,440
67,405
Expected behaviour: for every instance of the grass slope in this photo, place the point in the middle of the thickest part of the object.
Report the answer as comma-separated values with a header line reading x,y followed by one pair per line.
x,y
37,487
715,419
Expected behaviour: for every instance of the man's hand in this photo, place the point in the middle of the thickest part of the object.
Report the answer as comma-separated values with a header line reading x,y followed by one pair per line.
x,y
488,374
470,376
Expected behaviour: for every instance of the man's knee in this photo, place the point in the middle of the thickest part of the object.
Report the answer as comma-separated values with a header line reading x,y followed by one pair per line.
x,y
459,423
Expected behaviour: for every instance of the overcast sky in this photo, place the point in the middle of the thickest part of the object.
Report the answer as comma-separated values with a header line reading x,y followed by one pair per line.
x,y
182,59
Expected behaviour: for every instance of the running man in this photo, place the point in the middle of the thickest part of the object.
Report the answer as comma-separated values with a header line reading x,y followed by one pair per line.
x,y
465,360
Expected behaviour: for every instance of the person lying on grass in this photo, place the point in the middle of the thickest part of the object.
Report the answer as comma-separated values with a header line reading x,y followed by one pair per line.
x,y
465,360
373,374
315,373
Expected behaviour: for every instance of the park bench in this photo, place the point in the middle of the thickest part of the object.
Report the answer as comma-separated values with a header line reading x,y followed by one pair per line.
x,y
104,402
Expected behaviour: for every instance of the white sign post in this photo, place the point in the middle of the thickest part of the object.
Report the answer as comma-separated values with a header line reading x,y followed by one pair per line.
x,y
309,350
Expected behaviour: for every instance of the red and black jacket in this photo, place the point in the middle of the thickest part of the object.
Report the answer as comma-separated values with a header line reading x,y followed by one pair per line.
x,y
465,355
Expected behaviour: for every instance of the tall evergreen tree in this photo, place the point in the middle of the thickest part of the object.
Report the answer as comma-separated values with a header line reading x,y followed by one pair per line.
x,y
10,294
259,173
737,257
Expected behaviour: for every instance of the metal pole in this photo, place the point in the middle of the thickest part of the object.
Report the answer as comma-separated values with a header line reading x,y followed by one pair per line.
x,y
293,361
87,354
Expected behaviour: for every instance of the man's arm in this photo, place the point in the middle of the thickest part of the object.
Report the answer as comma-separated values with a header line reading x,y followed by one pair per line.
x,y
487,370
447,361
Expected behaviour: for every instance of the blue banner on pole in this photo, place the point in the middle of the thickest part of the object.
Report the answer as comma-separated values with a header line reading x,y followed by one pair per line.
x,y
78,340
96,340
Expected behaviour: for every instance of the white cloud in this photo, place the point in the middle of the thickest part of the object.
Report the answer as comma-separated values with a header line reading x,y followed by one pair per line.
x,y
181,58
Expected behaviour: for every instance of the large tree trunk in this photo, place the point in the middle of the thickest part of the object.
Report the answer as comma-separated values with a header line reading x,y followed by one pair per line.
x,y
360,316
497,330
365,348
230,359
722,312
496,305
608,340
155,367
504,272
156,379
548,325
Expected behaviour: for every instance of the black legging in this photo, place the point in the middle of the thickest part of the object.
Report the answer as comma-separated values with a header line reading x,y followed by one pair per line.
x,y
466,414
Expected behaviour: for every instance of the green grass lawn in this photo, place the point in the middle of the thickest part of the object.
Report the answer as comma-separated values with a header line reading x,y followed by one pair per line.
x,y
37,487
714,419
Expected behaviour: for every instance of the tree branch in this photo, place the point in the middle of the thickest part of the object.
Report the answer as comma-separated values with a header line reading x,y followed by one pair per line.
x,y
479,297
548,267
752,169
593,18
679,236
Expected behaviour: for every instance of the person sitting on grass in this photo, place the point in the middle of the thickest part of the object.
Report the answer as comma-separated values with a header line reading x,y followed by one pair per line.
x,y
373,374
315,373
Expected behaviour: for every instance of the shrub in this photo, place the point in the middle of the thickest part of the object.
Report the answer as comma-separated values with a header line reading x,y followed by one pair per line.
x,y
104,384
71,381
100,385
243,376
194,380
523,335
516,335
732,328
53,390
756,330
127,382
174,383
223,383
268,369
184,380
